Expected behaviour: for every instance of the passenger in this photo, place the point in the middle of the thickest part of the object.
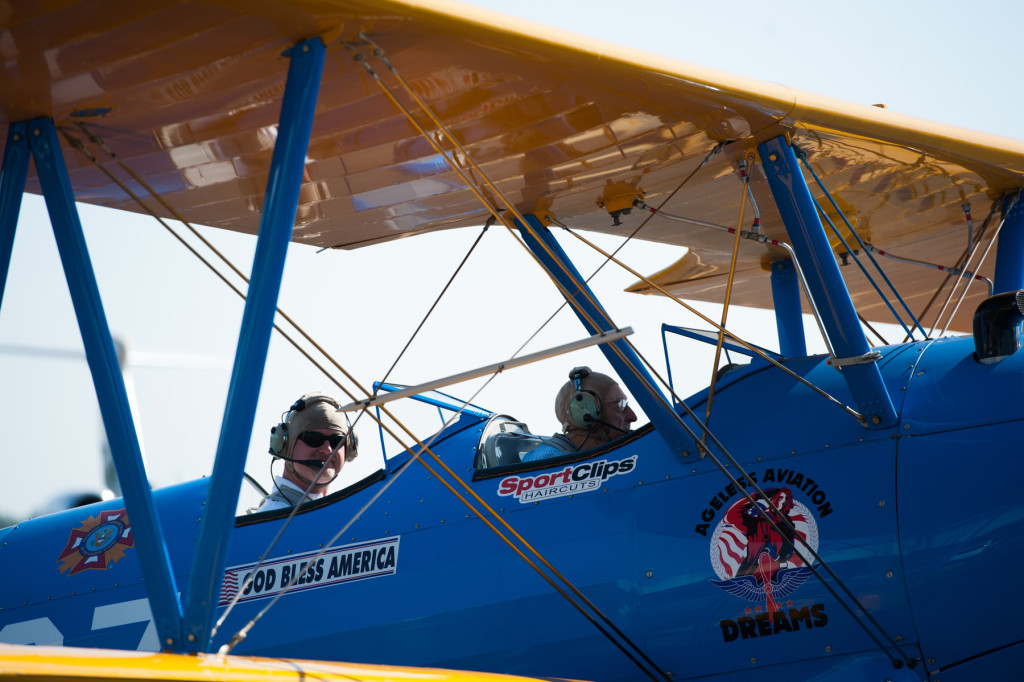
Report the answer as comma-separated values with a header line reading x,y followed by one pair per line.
x,y
592,410
315,440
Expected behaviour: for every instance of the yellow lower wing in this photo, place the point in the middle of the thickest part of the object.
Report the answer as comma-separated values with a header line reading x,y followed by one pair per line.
x,y
29,663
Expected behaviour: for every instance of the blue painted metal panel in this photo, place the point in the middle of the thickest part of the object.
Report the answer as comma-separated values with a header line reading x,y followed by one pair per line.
x,y
1010,254
106,373
799,420
960,521
949,389
94,598
686,550
12,187
625,362
960,514
807,237
279,209
788,314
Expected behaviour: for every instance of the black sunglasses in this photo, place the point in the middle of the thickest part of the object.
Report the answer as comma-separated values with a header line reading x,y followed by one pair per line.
x,y
315,440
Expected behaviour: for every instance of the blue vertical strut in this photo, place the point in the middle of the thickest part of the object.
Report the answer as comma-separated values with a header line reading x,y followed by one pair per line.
x,y
108,380
279,209
1010,256
12,187
807,236
788,316
629,368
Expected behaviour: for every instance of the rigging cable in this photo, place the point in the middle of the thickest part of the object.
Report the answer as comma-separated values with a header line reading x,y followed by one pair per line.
x,y
419,327
752,348
958,267
802,155
442,128
992,242
424,448
706,431
250,576
714,151
241,634
378,52
953,271
790,526
874,331
747,476
745,179
763,239
966,266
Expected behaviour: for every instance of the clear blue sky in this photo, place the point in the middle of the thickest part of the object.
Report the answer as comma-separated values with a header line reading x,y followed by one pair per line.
x,y
951,62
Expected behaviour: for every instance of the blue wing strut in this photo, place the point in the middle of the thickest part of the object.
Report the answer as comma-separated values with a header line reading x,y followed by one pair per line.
x,y
279,208
807,235
178,629
628,366
39,136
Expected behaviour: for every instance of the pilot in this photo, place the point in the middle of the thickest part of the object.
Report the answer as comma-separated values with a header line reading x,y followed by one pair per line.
x,y
592,410
315,440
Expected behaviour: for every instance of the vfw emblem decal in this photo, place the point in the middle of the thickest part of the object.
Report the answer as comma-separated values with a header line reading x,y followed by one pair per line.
x,y
753,560
99,542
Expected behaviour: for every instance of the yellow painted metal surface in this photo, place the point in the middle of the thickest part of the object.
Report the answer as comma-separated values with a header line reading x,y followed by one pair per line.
x,y
556,120
37,664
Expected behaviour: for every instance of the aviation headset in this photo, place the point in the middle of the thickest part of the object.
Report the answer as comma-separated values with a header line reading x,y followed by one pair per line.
x,y
585,405
279,435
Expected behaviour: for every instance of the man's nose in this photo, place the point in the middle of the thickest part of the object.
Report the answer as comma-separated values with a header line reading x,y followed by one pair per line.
x,y
630,414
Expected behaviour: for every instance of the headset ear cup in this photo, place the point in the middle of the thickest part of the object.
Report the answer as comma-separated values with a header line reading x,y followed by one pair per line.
x,y
584,408
351,445
278,438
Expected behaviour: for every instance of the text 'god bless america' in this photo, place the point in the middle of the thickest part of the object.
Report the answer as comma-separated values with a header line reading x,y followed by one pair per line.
x,y
359,561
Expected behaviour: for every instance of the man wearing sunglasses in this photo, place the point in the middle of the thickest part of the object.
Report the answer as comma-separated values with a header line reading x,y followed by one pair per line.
x,y
314,439
592,409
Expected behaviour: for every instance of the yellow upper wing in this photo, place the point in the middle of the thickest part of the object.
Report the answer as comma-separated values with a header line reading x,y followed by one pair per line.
x,y
194,89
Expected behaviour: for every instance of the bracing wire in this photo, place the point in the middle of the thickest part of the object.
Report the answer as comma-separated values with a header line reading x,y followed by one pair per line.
x,y
745,177
803,158
706,432
991,243
423,448
749,346
956,269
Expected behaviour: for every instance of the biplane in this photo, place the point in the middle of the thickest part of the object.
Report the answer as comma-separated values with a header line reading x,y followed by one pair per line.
x,y
853,531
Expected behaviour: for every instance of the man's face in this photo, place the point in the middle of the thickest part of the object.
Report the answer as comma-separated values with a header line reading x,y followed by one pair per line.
x,y
322,452
618,417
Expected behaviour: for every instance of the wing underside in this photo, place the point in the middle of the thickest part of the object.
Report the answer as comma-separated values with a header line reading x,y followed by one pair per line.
x,y
188,94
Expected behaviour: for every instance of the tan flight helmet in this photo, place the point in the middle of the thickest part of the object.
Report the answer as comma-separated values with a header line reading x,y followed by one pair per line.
x,y
314,410
580,400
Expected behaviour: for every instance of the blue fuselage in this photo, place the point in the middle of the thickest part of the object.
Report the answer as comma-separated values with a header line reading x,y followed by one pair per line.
x,y
916,522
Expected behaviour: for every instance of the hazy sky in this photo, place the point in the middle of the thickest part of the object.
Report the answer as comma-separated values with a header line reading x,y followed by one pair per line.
x,y
950,62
